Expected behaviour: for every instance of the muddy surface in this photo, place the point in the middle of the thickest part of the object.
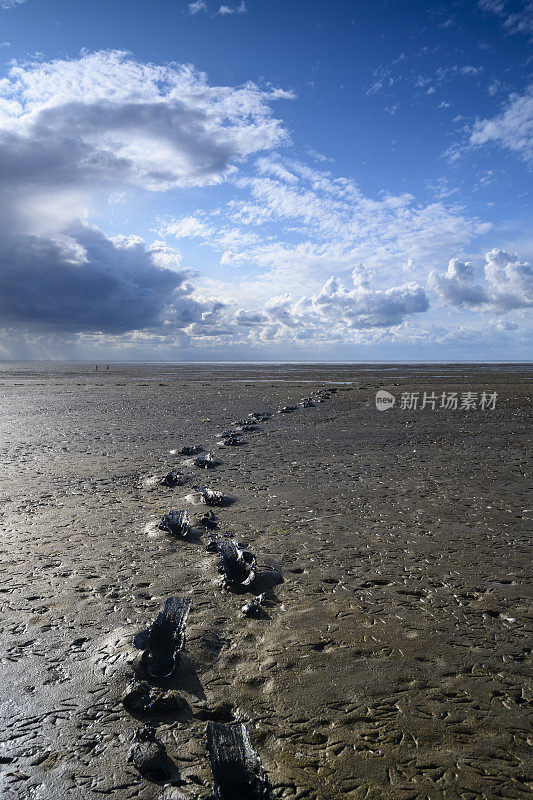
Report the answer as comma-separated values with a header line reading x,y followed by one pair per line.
x,y
391,662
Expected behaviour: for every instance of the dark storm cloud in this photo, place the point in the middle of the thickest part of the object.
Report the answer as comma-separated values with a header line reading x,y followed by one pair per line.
x,y
87,282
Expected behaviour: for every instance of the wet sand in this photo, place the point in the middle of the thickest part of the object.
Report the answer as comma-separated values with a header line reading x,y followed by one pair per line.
x,y
394,658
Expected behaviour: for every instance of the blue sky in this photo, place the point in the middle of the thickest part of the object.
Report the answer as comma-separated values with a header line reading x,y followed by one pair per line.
x,y
266,180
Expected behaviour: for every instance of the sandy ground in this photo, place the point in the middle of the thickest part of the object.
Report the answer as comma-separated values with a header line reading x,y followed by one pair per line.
x,y
393,661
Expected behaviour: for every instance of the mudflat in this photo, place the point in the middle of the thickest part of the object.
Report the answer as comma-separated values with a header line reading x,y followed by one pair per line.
x,y
392,656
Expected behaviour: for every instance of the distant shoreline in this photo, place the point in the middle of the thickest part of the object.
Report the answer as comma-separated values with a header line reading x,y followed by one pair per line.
x,y
392,364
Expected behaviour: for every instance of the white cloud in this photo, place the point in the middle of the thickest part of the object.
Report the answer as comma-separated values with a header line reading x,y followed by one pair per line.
x,y
226,10
513,128
316,156
298,225
333,314
197,6
510,280
455,286
514,21
471,71
357,307
508,283
385,78
188,227
494,6
10,3
117,198
106,117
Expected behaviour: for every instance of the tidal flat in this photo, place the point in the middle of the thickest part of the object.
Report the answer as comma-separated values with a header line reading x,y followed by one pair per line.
x,y
392,657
